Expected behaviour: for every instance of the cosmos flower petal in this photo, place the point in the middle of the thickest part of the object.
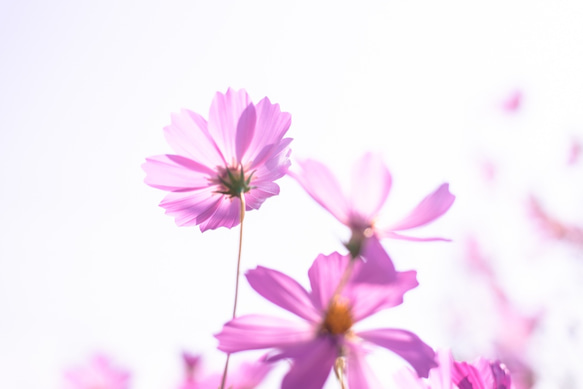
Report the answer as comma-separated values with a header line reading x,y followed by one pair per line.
x,y
371,183
173,172
325,274
429,209
98,373
245,131
379,268
256,197
322,186
227,214
283,291
466,376
311,365
274,124
359,373
224,114
368,299
188,135
273,161
405,344
191,207
252,332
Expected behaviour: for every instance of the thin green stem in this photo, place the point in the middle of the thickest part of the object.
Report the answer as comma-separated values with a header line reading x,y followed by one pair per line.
x,y
242,216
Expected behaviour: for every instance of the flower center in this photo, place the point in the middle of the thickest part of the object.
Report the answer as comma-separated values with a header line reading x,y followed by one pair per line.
x,y
338,318
232,181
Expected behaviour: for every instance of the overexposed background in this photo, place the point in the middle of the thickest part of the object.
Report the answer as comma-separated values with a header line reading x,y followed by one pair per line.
x,y
89,262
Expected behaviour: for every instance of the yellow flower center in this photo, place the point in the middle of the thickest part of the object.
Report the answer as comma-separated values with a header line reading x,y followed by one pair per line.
x,y
338,318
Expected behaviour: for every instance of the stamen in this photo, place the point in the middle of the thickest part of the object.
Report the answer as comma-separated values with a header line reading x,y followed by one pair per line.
x,y
338,318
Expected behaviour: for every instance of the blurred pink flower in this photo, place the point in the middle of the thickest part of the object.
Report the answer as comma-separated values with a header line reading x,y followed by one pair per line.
x,y
98,373
482,374
554,227
359,208
239,152
326,336
513,102
247,376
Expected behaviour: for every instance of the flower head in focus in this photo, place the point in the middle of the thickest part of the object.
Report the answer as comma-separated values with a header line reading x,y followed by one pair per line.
x,y
326,339
482,374
98,373
359,208
238,153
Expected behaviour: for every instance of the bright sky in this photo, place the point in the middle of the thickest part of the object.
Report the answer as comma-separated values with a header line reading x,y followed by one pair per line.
x,y
88,261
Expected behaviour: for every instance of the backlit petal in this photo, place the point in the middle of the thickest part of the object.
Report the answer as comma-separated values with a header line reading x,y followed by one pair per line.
x,y
405,344
284,291
370,186
252,332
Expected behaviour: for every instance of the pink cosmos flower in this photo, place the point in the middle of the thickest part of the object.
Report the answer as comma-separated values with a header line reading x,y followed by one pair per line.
x,y
240,151
482,374
247,376
359,208
326,337
98,373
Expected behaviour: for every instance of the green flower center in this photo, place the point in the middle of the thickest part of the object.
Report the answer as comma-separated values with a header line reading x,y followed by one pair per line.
x,y
232,181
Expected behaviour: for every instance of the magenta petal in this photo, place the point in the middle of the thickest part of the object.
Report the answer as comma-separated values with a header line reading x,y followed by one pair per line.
x,y
284,291
224,114
466,376
368,299
429,209
320,183
252,332
371,183
379,268
188,135
359,373
405,344
173,172
245,131
312,363
325,274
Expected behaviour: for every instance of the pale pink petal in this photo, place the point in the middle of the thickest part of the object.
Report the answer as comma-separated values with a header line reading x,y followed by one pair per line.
x,y
191,208
284,291
429,209
227,214
173,172
261,191
322,186
311,365
98,373
370,186
405,344
225,111
359,373
245,376
272,124
273,157
252,332
188,135
440,377
408,379
245,131
368,299
325,274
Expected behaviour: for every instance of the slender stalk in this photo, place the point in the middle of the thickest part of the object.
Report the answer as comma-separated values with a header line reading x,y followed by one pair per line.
x,y
343,280
242,216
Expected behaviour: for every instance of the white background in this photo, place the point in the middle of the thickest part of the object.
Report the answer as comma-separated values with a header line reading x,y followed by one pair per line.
x,y
88,262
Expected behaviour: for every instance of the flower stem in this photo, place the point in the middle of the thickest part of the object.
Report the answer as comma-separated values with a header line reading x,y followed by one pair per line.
x,y
242,216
